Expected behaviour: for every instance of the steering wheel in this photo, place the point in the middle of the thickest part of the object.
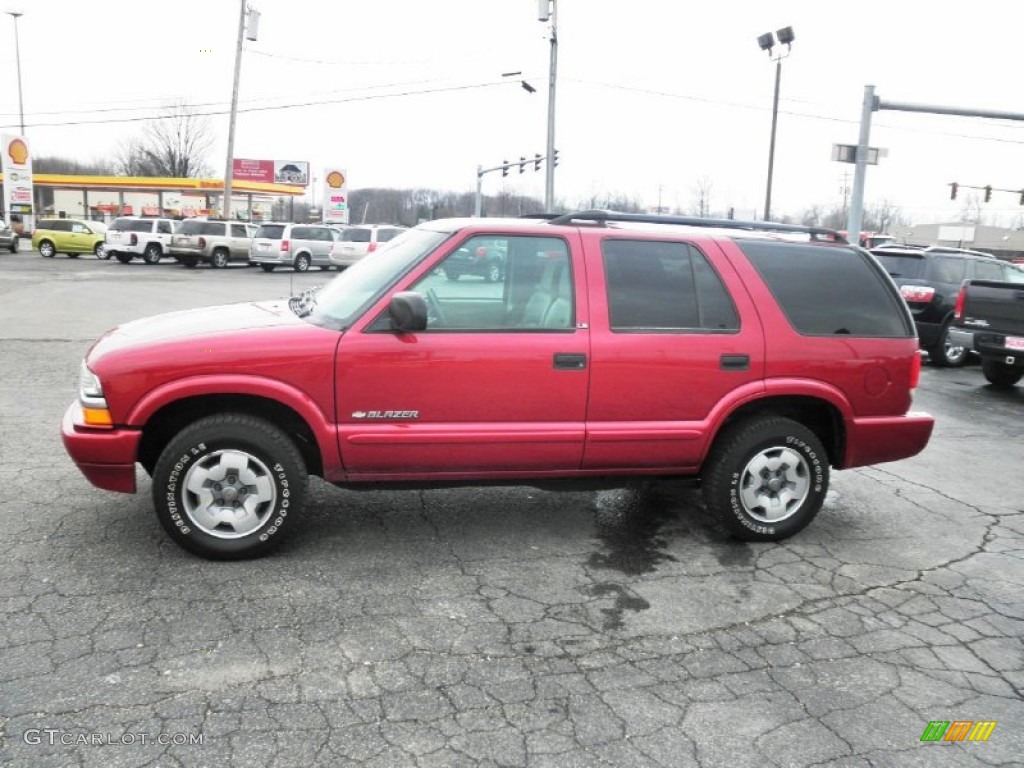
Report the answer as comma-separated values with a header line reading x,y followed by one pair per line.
x,y
434,307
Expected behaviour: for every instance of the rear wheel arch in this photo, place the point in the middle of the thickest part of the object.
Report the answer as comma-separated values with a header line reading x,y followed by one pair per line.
x,y
171,419
818,415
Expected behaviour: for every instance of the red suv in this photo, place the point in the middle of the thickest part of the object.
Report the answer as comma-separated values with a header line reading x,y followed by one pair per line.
x,y
753,356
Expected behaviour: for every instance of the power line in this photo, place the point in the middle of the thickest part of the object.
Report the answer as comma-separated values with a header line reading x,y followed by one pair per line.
x,y
297,105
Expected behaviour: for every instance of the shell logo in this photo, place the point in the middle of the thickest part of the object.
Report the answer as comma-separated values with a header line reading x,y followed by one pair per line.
x,y
335,179
17,150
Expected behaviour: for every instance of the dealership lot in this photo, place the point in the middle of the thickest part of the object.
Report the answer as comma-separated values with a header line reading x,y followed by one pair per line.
x,y
495,626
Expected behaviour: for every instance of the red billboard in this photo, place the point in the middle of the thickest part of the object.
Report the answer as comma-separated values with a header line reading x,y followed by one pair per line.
x,y
253,170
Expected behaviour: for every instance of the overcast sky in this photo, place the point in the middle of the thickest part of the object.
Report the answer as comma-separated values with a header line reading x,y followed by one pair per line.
x,y
652,96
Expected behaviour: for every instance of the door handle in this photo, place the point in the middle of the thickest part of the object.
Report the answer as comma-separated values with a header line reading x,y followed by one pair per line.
x,y
570,362
734,362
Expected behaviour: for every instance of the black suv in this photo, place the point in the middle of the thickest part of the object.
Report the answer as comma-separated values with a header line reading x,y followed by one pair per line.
x,y
929,279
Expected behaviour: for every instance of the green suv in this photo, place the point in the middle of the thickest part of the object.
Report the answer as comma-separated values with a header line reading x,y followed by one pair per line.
x,y
70,236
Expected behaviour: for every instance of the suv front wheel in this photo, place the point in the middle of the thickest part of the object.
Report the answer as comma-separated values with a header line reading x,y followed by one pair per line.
x,y
229,486
766,478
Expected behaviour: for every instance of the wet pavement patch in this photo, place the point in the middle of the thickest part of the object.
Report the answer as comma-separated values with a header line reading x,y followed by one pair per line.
x,y
623,602
629,523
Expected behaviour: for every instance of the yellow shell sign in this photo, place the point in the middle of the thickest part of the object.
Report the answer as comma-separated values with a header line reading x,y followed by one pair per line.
x,y
335,179
18,152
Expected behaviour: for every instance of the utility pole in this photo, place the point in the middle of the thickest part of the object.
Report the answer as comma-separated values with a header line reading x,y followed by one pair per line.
x,y
229,168
546,6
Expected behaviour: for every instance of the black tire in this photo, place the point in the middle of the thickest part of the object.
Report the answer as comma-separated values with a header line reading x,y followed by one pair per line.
x,y
47,249
14,245
267,267
219,258
189,261
98,250
1000,375
945,354
124,258
187,487
452,275
153,253
302,263
794,460
493,273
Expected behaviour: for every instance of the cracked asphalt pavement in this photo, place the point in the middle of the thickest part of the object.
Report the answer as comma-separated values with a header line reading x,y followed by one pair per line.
x,y
495,626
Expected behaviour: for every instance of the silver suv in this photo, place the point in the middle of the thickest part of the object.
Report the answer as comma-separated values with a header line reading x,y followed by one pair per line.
x,y
293,245
131,236
215,242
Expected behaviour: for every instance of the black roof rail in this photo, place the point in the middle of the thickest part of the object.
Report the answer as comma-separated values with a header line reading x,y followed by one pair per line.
x,y
539,216
602,217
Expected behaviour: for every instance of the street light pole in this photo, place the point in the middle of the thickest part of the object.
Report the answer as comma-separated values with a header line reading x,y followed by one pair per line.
x,y
229,168
17,56
767,43
549,181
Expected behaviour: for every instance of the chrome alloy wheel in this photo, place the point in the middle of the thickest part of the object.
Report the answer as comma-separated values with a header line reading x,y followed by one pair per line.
x,y
229,494
774,484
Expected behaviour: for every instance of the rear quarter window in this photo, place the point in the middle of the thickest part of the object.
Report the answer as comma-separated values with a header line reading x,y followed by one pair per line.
x,y
356,235
830,290
903,267
270,231
947,269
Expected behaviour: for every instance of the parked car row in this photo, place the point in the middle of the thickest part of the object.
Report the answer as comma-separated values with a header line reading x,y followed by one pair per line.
x,y
210,241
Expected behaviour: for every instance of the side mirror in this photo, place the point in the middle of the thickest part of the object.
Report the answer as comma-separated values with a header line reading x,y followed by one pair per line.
x,y
408,311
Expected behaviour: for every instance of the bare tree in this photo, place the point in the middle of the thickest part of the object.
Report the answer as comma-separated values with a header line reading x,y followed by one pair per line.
x,y
883,215
54,164
175,145
701,190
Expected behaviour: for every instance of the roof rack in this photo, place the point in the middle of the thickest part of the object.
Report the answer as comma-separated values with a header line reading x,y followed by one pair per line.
x,y
539,216
603,217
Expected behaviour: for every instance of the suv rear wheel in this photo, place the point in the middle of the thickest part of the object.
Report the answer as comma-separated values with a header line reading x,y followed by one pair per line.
x,y
945,353
302,263
229,486
766,478
124,258
267,267
219,258
152,253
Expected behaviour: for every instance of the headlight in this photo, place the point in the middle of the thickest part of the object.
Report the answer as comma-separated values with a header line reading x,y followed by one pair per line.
x,y
90,395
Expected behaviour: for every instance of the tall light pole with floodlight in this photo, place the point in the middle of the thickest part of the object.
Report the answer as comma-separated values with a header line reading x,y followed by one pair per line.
x,y
547,9
17,56
767,43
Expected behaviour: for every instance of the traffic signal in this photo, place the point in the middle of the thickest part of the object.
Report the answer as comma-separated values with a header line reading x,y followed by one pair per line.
x,y
555,164
504,167
522,164
988,192
536,161
952,190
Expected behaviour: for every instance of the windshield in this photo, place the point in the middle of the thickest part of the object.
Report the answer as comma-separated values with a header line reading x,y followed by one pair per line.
x,y
131,225
356,235
349,294
270,231
902,265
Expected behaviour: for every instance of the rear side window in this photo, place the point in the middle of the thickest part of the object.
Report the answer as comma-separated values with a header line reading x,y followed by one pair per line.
x,y
829,290
303,233
356,235
165,227
664,286
239,230
383,235
948,269
270,231
55,225
984,270
194,227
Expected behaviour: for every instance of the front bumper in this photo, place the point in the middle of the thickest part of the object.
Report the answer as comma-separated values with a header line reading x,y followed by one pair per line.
x,y
105,456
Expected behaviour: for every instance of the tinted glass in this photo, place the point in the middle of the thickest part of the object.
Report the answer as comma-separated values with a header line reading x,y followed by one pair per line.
x,y
383,235
270,231
131,225
356,235
303,233
1014,275
164,227
829,290
947,269
55,225
239,230
657,286
901,266
988,270
194,227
